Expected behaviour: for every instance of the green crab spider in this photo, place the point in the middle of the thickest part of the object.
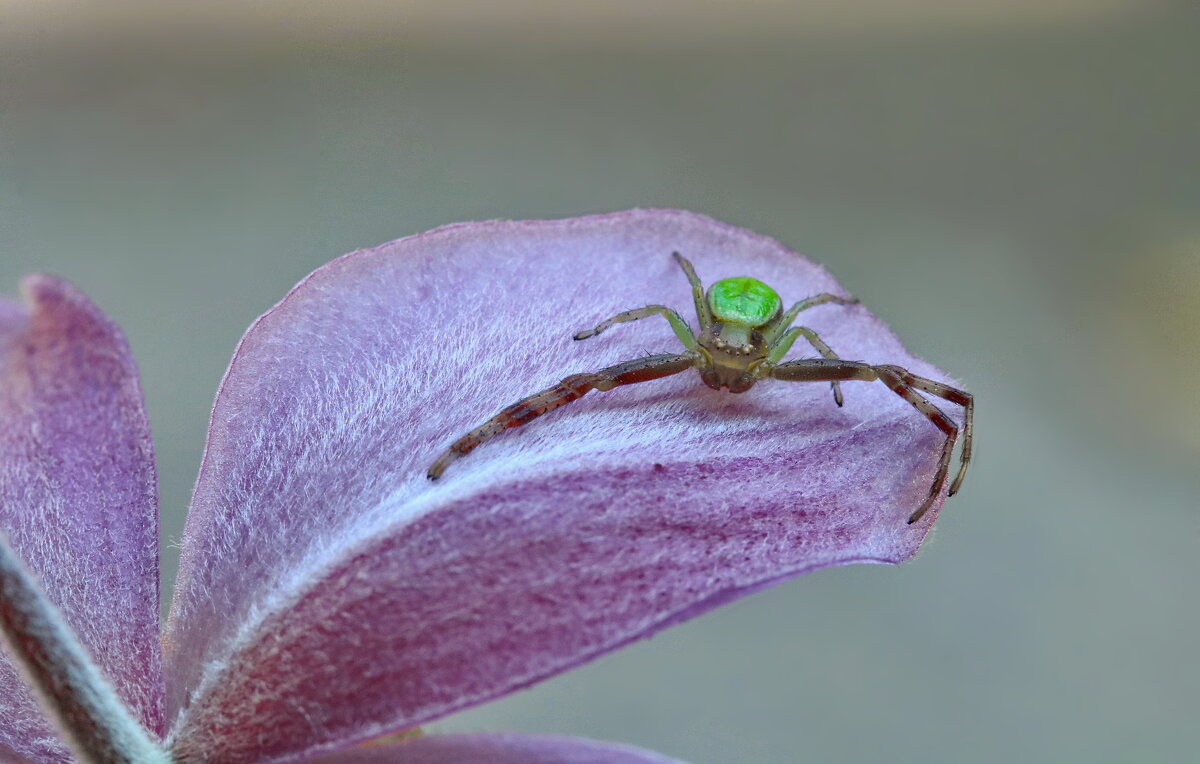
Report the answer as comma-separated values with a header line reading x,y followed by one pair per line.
x,y
744,334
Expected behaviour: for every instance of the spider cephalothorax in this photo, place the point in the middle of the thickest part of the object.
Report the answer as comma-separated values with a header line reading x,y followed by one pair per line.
x,y
744,335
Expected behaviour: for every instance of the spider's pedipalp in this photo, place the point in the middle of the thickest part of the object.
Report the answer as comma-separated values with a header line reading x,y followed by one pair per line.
x,y
788,338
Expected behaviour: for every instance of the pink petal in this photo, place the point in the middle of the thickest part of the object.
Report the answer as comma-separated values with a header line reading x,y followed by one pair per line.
x,y
496,749
329,592
77,498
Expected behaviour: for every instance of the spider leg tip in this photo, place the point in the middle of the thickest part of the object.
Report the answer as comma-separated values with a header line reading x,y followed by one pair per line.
x,y
915,516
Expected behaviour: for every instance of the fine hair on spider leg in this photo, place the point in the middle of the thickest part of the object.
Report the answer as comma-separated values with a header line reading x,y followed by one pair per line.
x,y
569,389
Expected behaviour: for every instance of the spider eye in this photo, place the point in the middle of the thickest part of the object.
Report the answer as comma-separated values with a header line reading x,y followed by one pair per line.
x,y
744,300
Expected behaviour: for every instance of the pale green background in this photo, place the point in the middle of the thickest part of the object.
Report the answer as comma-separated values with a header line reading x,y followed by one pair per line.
x,y
1016,193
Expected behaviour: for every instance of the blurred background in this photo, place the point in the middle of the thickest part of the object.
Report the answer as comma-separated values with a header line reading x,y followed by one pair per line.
x,y
1013,186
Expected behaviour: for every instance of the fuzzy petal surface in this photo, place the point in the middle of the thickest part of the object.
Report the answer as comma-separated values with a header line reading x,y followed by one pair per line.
x,y
78,499
483,748
329,592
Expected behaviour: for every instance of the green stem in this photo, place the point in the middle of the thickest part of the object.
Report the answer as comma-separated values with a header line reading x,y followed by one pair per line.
x,y
91,717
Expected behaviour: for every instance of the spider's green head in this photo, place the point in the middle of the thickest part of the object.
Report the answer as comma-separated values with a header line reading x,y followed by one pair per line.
x,y
743,300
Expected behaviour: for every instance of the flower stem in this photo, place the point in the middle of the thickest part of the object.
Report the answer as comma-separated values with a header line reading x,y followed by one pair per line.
x,y
91,717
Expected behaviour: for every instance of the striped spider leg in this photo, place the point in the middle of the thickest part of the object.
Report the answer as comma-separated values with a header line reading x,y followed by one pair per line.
x,y
574,387
570,389
905,384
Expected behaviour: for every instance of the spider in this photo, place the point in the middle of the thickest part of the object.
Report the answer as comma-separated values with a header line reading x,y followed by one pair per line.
x,y
744,334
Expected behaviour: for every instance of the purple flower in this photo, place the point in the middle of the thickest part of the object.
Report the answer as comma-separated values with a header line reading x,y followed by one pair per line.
x,y
328,593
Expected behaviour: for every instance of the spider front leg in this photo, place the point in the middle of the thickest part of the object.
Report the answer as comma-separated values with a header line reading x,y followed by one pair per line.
x,y
703,312
569,389
905,384
814,301
682,330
